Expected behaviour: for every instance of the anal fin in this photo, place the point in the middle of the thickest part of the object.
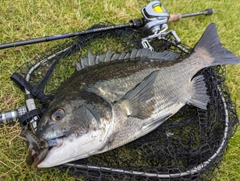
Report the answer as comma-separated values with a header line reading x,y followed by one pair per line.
x,y
199,97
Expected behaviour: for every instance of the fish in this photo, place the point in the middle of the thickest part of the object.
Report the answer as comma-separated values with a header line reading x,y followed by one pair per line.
x,y
116,98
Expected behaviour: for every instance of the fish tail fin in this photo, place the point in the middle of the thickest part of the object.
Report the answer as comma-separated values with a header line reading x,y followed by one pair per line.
x,y
211,50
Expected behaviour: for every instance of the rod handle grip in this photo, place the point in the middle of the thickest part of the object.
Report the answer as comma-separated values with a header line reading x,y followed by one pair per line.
x,y
174,17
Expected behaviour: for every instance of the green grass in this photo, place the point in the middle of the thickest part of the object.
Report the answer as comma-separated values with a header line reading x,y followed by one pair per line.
x,y
21,19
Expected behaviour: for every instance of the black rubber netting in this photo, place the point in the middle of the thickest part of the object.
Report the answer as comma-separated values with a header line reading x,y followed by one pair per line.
x,y
188,146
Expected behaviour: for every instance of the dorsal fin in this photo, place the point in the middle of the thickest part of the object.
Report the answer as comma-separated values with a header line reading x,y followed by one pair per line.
x,y
143,54
91,59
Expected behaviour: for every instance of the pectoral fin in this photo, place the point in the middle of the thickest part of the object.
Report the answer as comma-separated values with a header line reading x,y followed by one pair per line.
x,y
138,101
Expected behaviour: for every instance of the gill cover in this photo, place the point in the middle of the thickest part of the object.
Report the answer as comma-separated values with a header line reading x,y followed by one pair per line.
x,y
74,116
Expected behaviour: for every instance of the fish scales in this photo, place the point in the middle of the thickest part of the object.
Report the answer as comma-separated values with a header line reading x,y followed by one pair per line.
x,y
108,71
171,90
114,99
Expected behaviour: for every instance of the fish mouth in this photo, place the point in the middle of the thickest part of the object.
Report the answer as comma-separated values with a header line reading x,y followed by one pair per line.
x,y
39,148
36,156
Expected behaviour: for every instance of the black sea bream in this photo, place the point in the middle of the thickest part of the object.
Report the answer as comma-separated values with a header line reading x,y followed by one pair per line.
x,y
111,103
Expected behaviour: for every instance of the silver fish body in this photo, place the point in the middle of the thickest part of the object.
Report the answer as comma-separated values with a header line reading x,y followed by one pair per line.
x,y
109,104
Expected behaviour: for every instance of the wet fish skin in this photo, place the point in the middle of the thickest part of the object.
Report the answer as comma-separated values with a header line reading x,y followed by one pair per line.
x,y
109,104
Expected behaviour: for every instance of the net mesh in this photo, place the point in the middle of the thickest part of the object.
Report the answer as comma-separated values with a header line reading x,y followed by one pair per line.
x,y
188,146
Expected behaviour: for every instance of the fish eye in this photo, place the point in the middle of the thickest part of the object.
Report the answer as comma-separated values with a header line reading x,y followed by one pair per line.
x,y
58,115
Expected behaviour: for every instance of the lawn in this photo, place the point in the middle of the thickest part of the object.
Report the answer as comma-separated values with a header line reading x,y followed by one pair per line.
x,y
21,19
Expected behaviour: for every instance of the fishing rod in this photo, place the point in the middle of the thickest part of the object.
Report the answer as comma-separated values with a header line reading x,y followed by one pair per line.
x,y
153,9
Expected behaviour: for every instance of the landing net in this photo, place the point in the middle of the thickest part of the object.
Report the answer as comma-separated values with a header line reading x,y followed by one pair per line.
x,y
188,146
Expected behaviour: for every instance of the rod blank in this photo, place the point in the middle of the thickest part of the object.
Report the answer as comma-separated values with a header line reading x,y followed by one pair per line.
x,y
61,36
